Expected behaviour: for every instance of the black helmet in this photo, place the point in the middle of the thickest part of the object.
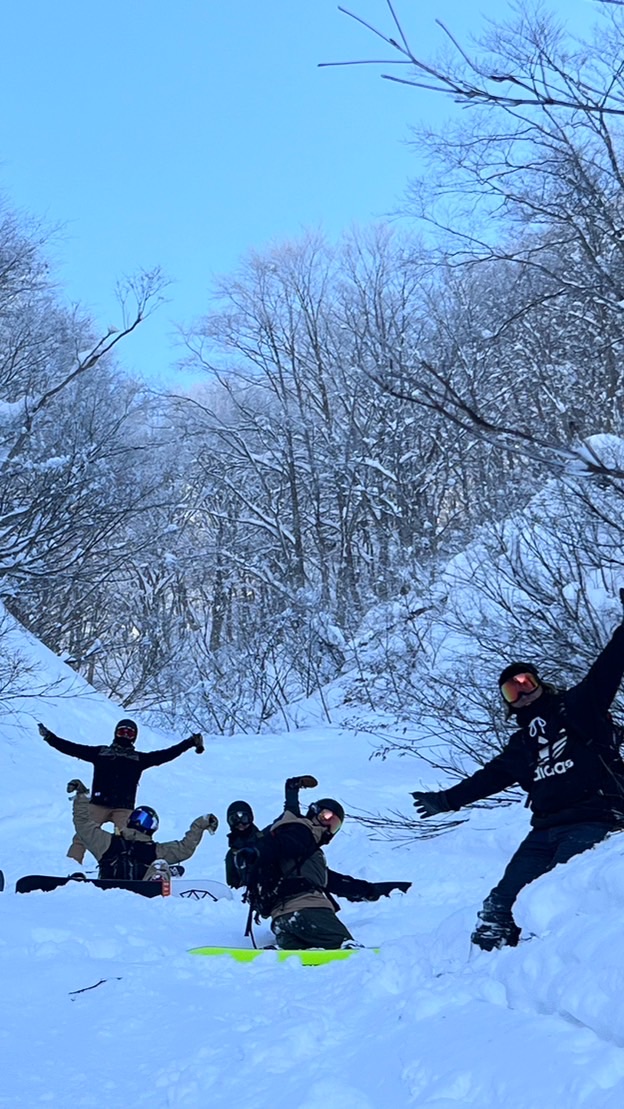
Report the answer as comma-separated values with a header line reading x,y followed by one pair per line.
x,y
126,732
327,804
144,819
239,812
517,668
516,680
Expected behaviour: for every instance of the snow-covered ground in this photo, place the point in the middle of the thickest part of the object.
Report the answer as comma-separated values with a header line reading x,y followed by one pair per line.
x,y
428,1022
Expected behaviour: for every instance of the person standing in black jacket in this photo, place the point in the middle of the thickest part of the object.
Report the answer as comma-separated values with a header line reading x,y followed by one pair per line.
x,y
565,754
117,769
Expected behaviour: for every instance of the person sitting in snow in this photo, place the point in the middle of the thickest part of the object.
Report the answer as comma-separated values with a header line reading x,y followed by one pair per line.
x,y
243,833
128,854
117,770
565,754
287,877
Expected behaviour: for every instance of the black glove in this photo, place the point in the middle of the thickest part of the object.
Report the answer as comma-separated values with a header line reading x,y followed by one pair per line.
x,y
306,781
76,786
43,731
430,804
384,889
198,740
246,859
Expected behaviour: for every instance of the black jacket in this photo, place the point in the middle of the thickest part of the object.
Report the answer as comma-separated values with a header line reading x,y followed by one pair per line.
x,y
116,769
237,840
564,753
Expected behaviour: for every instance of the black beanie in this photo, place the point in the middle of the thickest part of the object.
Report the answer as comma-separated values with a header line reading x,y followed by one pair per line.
x,y
517,668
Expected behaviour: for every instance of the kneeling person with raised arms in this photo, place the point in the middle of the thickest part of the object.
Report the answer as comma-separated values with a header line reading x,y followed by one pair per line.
x,y
129,854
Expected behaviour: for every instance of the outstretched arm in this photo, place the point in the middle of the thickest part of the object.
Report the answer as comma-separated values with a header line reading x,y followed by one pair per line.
x,y
66,747
498,774
177,850
603,679
356,889
168,754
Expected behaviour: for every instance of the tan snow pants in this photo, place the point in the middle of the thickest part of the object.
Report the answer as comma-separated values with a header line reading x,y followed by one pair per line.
x,y
99,815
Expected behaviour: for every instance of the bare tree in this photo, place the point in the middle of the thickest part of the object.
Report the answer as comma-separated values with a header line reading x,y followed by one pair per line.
x,y
513,71
533,181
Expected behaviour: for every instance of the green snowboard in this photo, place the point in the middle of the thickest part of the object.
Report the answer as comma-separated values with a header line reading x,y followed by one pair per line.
x,y
310,958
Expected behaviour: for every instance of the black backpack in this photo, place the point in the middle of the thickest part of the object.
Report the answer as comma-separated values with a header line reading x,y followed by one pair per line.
x,y
127,859
262,890
266,884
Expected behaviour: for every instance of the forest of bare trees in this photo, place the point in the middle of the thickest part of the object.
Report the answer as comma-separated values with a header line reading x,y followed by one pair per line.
x,y
371,407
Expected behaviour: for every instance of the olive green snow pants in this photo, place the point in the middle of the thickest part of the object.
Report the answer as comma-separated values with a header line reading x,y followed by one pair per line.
x,y
309,928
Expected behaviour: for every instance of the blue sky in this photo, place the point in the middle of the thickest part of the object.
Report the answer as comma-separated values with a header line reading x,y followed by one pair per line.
x,y
183,135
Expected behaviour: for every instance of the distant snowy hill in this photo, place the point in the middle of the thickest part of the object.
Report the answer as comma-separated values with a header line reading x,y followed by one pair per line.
x,y
102,1005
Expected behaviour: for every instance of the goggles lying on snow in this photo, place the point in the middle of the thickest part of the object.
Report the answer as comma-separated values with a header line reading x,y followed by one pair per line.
x,y
515,688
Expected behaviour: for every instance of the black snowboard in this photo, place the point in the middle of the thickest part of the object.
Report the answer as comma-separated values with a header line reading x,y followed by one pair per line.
x,y
47,882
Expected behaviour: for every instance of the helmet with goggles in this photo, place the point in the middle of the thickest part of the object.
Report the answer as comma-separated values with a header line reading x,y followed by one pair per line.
x,y
517,680
144,819
328,813
239,814
126,731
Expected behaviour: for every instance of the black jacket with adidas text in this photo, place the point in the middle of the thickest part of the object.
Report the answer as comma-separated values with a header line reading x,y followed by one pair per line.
x,y
563,754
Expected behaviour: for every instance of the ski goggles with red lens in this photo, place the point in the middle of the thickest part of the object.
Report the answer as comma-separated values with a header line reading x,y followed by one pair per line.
x,y
515,688
329,820
125,732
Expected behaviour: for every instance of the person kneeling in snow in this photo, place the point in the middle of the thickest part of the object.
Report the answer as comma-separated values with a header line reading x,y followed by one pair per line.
x,y
287,878
244,832
129,854
565,754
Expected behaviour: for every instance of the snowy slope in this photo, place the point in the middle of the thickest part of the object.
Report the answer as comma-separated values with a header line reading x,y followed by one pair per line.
x,y
429,1022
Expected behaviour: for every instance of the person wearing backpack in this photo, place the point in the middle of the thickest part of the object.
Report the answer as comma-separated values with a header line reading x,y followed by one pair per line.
x,y
128,854
245,833
288,880
565,755
117,769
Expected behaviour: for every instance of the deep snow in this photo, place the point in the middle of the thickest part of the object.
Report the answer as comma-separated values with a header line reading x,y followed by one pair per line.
x,y
429,1022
